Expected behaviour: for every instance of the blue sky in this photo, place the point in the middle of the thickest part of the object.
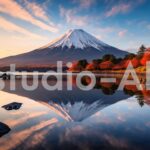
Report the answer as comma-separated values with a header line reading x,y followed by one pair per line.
x,y
29,24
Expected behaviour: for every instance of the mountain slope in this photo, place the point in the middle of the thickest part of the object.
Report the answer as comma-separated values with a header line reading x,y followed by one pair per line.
x,y
74,45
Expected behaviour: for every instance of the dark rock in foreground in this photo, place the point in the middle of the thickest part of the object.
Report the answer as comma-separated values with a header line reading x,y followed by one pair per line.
x,y
12,106
4,129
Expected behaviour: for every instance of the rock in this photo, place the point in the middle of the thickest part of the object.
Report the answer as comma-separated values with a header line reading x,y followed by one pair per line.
x,y
4,129
12,106
5,76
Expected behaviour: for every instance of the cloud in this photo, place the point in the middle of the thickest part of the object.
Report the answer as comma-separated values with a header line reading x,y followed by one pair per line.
x,y
99,37
19,122
11,27
116,143
148,26
72,17
120,8
105,29
102,32
37,10
122,33
14,9
15,139
85,3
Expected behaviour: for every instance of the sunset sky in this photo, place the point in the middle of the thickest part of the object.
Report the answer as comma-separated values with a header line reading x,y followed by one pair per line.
x,y
29,24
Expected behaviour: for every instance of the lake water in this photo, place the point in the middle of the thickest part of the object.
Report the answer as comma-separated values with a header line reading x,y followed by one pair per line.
x,y
102,118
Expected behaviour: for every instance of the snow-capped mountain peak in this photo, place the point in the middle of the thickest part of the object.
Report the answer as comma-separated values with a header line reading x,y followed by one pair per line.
x,y
77,38
72,46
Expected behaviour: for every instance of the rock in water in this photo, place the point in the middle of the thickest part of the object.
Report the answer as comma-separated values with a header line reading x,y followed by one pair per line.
x,y
12,106
4,129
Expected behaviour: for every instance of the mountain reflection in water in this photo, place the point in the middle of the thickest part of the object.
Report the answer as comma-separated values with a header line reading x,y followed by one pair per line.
x,y
100,118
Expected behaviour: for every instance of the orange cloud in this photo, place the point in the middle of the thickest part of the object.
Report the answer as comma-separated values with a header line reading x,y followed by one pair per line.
x,y
121,8
13,9
11,27
72,18
18,137
37,10
122,33
85,3
19,122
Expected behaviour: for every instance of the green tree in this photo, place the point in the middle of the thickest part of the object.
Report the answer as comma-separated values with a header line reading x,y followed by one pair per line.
x,y
140,99
96,63
118,60
129,56
141,51
82,63
109,57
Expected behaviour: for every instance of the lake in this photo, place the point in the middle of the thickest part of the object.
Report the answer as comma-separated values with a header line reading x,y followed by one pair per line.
x,y
102,118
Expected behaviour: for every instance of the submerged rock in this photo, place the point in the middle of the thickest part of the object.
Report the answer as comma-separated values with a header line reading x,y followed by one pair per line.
x,y
12,106
4,129
5,76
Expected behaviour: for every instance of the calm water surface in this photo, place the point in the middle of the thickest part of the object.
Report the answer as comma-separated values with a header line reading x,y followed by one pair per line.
x,y
102,118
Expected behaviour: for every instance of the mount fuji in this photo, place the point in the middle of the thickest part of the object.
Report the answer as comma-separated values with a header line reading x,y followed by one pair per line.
x,y
72,46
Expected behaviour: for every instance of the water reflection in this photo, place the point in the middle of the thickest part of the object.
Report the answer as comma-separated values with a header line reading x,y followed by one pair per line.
x,y
100,118
75,105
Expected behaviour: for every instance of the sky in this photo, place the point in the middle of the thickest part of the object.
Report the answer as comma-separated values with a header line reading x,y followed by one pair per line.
x,y
29,24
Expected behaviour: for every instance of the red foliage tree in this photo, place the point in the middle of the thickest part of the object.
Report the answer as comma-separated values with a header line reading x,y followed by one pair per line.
x,y
146,57
90,67
124,64
135,62
106,65
74,67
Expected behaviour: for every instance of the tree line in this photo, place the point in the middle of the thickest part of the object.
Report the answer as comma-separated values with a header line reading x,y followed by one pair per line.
x,y
109,61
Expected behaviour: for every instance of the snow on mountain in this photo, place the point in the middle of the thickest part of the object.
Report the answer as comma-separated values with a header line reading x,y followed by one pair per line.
x,y
77,38
81,110
72,46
